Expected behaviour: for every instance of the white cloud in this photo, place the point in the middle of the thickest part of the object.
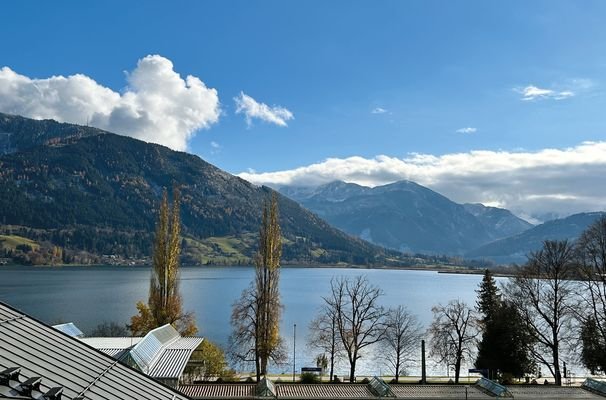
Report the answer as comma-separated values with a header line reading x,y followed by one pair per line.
x,y
378,110
468,129
562,181
158,105
215,145
532,92
252,109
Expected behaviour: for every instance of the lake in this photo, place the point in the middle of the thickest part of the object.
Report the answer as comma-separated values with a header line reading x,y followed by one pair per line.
x,y
88,296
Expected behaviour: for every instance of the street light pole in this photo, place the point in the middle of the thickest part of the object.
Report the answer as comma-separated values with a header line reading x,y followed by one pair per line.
x,y
294,351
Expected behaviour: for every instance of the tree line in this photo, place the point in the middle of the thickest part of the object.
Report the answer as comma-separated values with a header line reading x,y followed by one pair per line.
x,y
552,309
551,306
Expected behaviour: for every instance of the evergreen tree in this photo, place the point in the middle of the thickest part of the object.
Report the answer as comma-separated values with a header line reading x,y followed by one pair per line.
x,y
505,343
489,297
593,354
505,340
591,250
165,305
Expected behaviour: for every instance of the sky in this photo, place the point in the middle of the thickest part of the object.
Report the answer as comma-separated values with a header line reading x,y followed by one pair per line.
x,y
494,102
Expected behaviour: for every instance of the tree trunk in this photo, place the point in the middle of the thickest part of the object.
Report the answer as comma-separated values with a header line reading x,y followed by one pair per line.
x,y
352,371
556,365
258,369
332,366
397,377
457,368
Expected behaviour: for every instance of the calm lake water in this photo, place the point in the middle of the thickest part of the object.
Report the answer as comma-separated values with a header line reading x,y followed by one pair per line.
x,y
90,295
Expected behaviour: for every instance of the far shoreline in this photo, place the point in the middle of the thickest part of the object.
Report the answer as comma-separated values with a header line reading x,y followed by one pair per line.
x,y
434,268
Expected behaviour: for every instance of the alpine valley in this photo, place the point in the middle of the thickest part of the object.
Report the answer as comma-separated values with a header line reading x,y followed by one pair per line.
x,y
76,194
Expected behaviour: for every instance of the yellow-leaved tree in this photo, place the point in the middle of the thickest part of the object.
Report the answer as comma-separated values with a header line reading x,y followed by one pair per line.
x,y
165,305
256,315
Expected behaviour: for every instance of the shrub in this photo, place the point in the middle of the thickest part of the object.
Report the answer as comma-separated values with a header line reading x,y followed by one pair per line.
x,y
308,377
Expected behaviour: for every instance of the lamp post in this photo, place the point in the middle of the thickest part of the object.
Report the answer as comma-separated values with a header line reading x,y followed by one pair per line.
x,y
294,351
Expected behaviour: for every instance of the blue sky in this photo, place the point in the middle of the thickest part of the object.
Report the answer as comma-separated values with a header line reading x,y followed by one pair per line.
x,y
442,78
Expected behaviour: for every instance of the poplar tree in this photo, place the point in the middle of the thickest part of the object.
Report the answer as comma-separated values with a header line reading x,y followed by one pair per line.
x,y
165,305
256,315
267,278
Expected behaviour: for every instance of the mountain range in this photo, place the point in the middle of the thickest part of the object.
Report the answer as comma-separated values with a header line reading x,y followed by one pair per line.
x,y
88,190
516,247
407,216
85,195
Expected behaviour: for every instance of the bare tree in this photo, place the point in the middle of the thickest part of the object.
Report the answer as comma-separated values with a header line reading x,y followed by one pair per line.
x,y
324,335
401,339
591,247
542,290
453,333
242,341
359,318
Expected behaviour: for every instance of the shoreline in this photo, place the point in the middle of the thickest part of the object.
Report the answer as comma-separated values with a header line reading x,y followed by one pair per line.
x,y
438,269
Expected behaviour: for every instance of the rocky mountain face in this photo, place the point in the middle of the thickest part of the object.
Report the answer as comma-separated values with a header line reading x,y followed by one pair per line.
x,y
83,188
407,216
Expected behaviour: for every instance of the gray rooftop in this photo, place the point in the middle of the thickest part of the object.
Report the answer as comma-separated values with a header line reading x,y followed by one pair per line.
x,y
327,391
61,361
161,354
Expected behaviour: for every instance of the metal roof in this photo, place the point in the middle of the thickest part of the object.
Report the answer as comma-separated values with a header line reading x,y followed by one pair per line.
x,y
115,346
148,350
161,354
220,391
63,361
69,329
325,391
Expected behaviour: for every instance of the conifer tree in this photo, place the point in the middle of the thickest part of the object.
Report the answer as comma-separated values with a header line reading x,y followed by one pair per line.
x,y
489,297
505,340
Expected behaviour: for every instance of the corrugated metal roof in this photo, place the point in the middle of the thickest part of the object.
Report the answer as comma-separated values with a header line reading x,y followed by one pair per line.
x,y
551,392
297,391
150,348
162,353
69,329
61,360
219,391
324,391
438,392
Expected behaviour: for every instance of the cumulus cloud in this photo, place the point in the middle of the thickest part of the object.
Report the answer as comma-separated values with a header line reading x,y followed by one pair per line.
x,y
253,109
157,105
467,129
378,110
562,181
532,92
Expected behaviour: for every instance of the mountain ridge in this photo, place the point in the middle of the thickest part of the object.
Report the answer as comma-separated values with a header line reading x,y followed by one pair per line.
x,y
516,247
87,188
407,216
